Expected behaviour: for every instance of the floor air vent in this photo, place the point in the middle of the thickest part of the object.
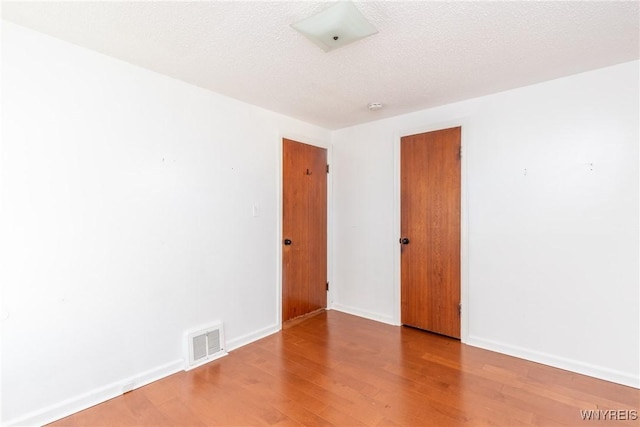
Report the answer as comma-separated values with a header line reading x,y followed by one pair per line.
x,y
204,345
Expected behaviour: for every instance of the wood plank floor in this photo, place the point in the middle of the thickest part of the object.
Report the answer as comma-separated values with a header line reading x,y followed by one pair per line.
x,y
337,369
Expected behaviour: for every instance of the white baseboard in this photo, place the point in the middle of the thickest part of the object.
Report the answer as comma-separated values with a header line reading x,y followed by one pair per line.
x,y
577,366
94,397
251,337
363,313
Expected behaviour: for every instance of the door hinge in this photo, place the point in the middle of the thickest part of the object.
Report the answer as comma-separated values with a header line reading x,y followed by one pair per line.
x,y
327,285
460,152
327,168
460,308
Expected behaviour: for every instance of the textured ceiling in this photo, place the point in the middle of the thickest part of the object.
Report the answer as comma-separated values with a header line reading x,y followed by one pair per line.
x,y
425,54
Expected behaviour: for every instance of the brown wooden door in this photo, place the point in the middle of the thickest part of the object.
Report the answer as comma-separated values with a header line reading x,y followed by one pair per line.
x,y
430,220
304,229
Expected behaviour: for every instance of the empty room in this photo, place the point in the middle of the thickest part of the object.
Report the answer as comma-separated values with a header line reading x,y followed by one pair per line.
x,y
251,213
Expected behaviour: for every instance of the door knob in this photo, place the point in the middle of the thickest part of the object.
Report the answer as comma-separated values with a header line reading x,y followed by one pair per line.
x,y
287,242
404,241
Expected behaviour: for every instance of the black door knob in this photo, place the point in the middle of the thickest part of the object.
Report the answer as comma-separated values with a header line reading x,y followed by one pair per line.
x,y
404,241
287,242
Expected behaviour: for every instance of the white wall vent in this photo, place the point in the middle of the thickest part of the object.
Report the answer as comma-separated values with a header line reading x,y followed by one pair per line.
x,y
204,345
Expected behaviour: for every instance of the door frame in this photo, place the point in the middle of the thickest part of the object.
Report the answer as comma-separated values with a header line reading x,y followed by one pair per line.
x,y
316,142
464,124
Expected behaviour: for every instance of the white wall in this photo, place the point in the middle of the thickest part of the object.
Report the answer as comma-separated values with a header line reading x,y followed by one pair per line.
x,y
552,257
126,219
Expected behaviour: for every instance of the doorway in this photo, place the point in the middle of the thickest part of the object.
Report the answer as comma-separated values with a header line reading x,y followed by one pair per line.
x,y
304,229
430,193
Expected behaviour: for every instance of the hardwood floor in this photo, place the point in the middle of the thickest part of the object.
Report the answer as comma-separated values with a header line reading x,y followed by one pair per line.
x,y
337,369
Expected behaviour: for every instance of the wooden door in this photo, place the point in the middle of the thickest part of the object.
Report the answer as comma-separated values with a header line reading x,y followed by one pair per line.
x,y
430,228
304,229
